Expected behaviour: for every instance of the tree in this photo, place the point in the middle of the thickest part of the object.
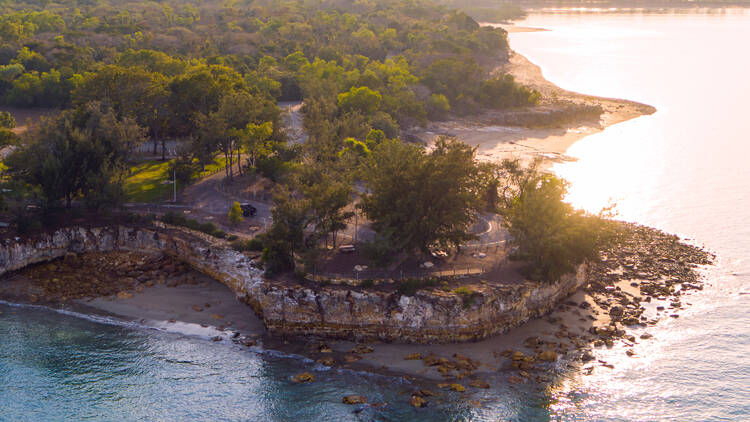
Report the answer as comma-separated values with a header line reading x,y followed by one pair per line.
x,y
79,153
241,114
328,193
255,138
454,77
549,235
361,99
131,92
502,91
7,121
437,106
421,200
235,214
287,234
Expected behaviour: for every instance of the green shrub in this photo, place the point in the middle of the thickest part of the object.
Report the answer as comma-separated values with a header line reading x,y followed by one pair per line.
x,y
25,222
410,286
232,237
467,295
255,244
367,283
235,214
135,218
179,219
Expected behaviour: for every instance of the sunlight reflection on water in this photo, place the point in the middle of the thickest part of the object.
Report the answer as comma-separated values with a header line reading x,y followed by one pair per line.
x,y
683,169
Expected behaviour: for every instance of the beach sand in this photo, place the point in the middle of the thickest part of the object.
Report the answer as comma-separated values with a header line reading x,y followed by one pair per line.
x,y
219,306
561,331
495,142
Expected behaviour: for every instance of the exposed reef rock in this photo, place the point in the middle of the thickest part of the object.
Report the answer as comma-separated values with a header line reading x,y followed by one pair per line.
x,y
291,309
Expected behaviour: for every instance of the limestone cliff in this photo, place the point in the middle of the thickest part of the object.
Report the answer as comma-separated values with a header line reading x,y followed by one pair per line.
x,y
430,315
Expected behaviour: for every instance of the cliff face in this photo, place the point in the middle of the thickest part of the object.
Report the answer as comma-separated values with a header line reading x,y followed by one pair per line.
x,y
293,309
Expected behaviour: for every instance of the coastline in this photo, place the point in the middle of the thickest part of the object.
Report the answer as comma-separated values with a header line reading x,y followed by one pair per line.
x,y
639,282
496,139
566,332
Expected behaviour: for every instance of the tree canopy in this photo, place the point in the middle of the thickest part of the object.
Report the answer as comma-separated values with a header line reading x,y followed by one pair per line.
x,y
548,234
80,153
420,199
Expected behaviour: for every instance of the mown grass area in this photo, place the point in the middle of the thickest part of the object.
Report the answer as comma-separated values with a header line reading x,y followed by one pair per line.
x,y
219,163
150,181
146,182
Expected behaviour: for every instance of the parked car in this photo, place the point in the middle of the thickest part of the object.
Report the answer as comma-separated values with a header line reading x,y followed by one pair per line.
x,y
248,210
347,248
438,254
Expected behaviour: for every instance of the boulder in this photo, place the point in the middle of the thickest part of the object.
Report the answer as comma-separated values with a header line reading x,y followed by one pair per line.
x,y
349,358
124,295
616,311
354,400
479,384
417,401
362,349
424,393
548,356
455,387
327,361
303,377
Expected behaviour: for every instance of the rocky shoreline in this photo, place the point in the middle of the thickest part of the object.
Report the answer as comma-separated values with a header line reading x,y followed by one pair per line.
x,y
436,312
645,276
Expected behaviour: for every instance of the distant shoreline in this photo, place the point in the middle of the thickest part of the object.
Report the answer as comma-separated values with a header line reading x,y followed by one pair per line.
x,y
497,140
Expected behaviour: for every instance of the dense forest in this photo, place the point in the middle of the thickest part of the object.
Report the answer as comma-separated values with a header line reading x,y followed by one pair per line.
x,y
209,75
50,51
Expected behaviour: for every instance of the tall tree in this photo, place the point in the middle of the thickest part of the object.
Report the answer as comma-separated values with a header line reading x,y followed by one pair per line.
x,y
548,234
79,153
328,193
422,200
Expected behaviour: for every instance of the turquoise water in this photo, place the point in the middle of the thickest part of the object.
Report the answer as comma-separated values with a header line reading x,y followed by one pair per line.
x,y
684,169
56,367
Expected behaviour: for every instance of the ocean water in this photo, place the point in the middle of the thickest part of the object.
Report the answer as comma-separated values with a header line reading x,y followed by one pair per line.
x,y
684,169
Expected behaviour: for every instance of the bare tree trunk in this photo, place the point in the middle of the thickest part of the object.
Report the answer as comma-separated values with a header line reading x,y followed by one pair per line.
x,y
239,161
163,149
231,156
226,160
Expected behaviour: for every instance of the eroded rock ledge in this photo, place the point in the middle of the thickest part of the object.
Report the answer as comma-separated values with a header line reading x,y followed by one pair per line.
x,y
292,309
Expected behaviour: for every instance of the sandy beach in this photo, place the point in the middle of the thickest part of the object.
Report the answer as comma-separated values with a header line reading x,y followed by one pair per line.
x,y
495,140
212,306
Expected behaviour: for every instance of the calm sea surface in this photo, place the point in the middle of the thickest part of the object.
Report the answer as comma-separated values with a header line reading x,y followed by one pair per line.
x,y
684,169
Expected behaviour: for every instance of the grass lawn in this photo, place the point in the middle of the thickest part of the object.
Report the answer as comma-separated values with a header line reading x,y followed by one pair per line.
x,y
146,182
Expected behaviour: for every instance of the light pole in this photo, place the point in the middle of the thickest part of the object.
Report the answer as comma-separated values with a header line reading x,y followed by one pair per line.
x,y
174,185
356,225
